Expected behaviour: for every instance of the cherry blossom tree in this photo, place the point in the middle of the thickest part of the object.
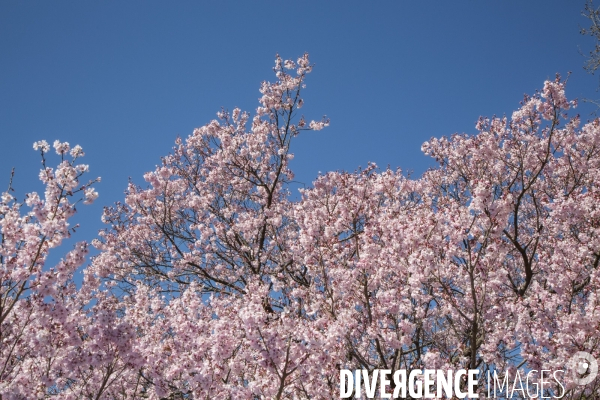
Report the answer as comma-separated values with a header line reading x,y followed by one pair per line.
x,y
515,244
212,282
213,233
489,261
54,342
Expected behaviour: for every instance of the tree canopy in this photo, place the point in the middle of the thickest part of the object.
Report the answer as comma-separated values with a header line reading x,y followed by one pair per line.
x,y
214,282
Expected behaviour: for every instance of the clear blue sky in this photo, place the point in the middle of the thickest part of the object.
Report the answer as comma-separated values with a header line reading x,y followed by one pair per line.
x,y
123,79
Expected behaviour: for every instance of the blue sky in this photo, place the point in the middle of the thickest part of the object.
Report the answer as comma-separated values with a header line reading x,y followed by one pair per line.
x,y
124,79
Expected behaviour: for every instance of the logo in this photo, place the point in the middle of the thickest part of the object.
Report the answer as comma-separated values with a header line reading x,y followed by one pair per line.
x,y
583,367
